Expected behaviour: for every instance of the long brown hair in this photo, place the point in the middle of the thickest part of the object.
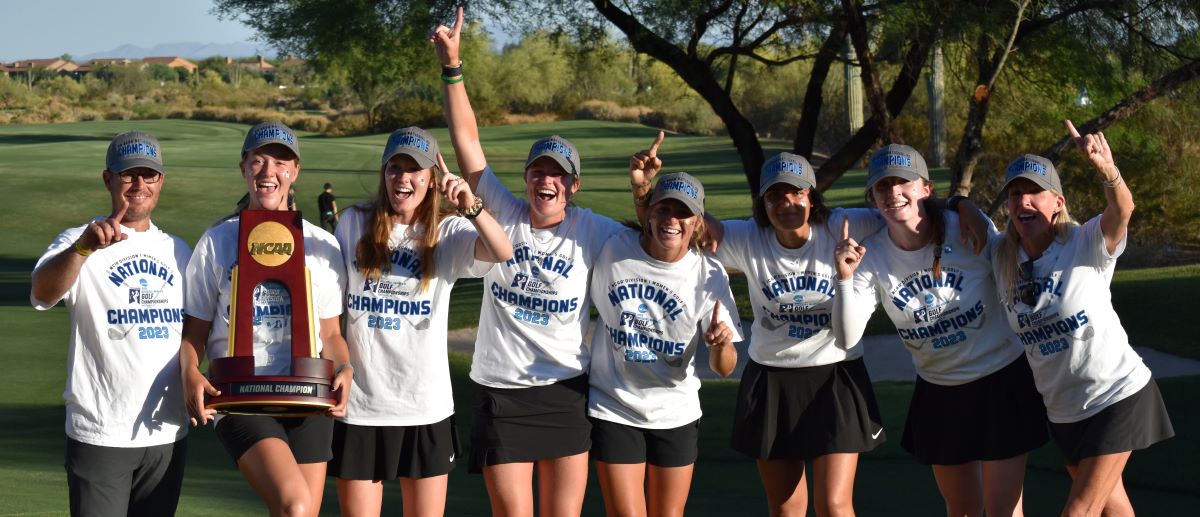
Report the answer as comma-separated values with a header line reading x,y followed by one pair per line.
x,y
374,254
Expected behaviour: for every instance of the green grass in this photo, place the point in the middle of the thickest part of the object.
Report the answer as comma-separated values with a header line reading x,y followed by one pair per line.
x,y
53,181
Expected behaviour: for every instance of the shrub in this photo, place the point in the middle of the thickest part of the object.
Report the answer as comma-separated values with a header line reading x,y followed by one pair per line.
x,y
607,110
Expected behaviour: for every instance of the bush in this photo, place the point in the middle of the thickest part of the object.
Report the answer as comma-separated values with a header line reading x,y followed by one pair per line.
x,y
408,111
607,110
355,124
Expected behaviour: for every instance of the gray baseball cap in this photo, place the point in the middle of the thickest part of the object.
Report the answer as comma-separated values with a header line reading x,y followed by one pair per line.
x,y
1033,168
133,149
786,168
271,133
560,149
683,187
415,142
897,160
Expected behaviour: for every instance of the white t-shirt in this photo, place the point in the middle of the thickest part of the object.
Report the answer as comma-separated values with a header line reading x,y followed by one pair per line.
x,y
123,387
1079,353
208,290
397,333
954,325
535,305
653,315
792,290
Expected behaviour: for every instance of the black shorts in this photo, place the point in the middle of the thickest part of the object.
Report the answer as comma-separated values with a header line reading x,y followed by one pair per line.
x,y
804,413
1135,422
381,453
993,418
529,424
133,481
308,437
620,443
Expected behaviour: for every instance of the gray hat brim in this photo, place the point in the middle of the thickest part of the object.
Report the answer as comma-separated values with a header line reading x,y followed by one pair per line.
x,y
691,204
794,180
140,161
558,158
894,173
1037,179
422,160
270,141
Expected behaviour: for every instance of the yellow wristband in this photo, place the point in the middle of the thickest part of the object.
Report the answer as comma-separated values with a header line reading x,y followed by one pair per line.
x,y
82,251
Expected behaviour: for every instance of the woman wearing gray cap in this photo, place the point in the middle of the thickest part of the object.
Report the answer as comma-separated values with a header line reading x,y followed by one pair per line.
x,y
659,298
1054,277
405,255
530,363
283,459
974,413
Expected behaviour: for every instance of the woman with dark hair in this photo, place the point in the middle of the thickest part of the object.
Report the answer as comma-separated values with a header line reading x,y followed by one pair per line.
x,y
404,256
658,299
974,413
283,459
1054,277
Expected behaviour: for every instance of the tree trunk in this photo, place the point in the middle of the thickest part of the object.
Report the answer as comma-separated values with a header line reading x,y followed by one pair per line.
x,y
700,78
937,109
810,113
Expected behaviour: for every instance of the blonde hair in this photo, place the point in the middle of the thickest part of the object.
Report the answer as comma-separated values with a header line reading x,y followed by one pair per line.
x,y
374,255
1006,252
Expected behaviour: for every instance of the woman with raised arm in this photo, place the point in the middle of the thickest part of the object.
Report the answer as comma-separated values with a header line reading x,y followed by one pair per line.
x,y
283,459
404,256
974,413
658,299
530,362
1054,277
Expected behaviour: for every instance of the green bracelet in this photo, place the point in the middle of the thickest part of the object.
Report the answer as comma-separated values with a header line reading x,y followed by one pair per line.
x,y
452,80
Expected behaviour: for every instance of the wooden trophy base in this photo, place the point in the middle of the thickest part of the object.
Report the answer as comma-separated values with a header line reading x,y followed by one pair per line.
x,y
306,392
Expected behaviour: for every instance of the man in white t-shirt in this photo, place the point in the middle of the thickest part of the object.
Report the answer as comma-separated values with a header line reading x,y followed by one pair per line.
x,y
122,279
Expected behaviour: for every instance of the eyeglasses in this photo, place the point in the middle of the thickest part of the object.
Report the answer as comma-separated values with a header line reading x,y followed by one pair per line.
x,y
1027,291
147,176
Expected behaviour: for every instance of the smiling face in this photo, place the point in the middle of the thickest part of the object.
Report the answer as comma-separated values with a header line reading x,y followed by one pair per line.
x,y
407,185
788,207
1032,211
899,199
670,226
141,195
549,189
269,171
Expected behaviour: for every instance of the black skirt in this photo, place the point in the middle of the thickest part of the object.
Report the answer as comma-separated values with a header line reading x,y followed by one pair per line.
x,y
529,424
381,453
804,413
1134,423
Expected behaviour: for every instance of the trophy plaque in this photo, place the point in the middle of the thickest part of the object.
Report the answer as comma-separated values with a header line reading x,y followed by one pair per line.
x,y
271,252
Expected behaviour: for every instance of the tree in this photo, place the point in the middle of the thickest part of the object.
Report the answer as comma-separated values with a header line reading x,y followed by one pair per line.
x,y
374,46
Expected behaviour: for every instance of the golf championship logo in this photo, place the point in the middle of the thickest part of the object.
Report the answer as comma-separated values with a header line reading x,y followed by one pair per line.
x,y
270,244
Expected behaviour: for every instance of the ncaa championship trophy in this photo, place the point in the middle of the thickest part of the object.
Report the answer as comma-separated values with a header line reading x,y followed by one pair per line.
x,y
271,249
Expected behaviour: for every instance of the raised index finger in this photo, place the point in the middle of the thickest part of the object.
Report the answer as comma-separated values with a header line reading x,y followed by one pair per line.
x,y
458,23
1073,132
657,142
715,315
845,228
120,205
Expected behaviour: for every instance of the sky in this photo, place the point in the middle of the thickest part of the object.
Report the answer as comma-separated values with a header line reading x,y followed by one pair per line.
x,y
34,29
37,29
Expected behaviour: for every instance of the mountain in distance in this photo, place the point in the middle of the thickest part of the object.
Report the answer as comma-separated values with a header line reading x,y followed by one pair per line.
x,y
188,50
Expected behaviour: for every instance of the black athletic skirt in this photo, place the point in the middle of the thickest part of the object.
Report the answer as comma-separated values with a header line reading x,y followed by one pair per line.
x,y
1134,423
993,418
381,453
803,413
529,424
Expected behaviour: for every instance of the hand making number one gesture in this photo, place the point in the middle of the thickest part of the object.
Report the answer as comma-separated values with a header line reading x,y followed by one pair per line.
x,y
718,333
457,191
106,232
446,41
848,253
1095,147
645,164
